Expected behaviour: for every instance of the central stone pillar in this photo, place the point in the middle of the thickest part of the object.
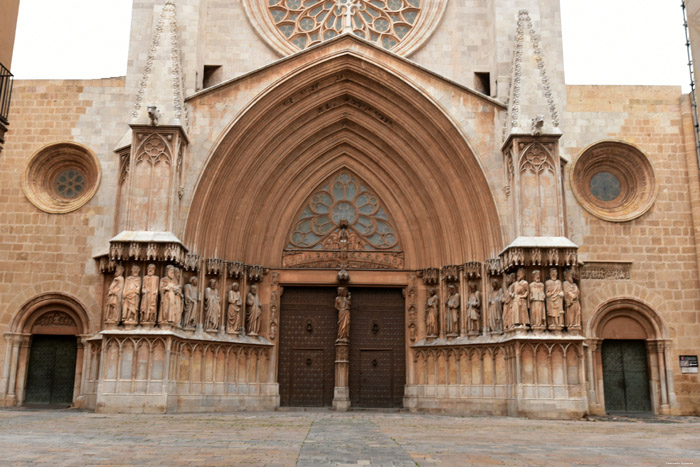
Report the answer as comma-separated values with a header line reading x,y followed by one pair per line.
x,y
341,393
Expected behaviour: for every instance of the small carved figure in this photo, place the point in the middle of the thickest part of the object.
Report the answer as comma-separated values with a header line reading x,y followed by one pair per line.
x,y
212,307
538,319
555,300
508,295
520,293
473,309
170,296
149,295
254,311
235,302
431,313
571,298
496,307
113,306
273,330
342,304
132,293
189,318
453,309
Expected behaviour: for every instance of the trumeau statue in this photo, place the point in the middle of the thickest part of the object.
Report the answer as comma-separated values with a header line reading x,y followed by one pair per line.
x,y
453,309
538,318
473,309
571,298
235,302
432,306
132,293
170,296
149,295
189,317
519,305
254,311
508,294
555,300
212,307
342,304
113,306
496,307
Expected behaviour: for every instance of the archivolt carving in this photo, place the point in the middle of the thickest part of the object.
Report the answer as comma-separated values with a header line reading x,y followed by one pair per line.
x,y
55,318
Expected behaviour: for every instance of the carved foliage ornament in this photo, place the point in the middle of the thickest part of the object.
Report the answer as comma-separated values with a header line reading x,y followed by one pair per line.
x,y
293,25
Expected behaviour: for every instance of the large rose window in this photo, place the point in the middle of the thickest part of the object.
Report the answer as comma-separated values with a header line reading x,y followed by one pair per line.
x,y
293,25
343,203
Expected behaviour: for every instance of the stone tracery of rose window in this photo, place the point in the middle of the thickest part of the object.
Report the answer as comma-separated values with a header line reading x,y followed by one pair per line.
x,y
397,25
307,22
343,206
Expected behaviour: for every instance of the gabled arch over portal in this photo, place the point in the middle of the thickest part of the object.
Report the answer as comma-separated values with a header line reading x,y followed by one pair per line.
x,y
343,111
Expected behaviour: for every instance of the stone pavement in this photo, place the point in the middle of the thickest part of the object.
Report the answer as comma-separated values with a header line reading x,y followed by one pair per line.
x,y
314,438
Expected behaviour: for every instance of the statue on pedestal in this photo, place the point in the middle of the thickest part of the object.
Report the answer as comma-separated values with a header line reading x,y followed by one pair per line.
x,y
342,304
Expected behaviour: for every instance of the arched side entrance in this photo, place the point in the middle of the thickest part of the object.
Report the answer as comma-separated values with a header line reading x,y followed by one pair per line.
x,y
628,359
44,351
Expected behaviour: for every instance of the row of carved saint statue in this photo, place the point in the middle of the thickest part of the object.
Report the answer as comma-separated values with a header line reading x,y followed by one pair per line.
x,y
539,306
154,300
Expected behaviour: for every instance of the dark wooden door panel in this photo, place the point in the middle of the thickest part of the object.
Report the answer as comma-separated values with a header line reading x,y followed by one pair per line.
x,y
377,347
307,346
625,376
51,372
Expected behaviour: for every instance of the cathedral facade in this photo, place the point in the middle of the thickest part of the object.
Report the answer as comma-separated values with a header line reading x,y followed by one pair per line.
x,y
350,203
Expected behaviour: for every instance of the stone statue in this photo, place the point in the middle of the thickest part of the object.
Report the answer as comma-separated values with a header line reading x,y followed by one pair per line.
x,y
555,301
132,293
113,307
538,318
508,294
177,316
189,317
170,296
342,304
212,307
571,298
235,302
473,309
149,295
496,307
453,309
254,311
519,305
432,306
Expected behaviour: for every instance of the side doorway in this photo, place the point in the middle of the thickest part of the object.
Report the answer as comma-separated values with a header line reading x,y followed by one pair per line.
x,y
51,370
626,376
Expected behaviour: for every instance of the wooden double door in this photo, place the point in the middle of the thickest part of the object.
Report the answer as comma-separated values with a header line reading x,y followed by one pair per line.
x,y
308,330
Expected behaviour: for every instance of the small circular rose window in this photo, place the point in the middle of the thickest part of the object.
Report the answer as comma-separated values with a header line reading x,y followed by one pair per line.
x,y
61,177
614,181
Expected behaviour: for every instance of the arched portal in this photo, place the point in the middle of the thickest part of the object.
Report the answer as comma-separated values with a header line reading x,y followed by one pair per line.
x,y
630,364
44,351
344,112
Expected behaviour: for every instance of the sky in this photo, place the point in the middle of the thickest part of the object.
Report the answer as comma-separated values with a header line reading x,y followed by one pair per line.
x,y
605,41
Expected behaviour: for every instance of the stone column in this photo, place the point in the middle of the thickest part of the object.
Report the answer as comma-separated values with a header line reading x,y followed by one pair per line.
x,y
341,392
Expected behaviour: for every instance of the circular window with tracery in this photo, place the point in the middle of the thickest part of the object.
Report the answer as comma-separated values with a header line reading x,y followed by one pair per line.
x,y
614,181
61,177
293,25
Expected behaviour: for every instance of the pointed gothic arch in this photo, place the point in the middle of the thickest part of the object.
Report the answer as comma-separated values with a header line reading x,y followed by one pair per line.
x,y
344,112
